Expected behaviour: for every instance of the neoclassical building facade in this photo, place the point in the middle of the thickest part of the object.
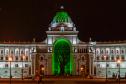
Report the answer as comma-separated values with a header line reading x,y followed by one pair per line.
x,y
62,53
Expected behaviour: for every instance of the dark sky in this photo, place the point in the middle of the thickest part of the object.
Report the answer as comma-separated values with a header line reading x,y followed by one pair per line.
x,y
103,20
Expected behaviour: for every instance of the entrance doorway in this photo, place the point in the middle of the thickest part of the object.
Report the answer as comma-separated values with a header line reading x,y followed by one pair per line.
x,y
62,57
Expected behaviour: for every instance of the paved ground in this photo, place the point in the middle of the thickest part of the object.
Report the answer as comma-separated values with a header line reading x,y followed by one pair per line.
x,y
63,81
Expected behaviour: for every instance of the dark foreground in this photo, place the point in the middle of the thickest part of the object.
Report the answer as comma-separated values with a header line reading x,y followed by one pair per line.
x,y
63,81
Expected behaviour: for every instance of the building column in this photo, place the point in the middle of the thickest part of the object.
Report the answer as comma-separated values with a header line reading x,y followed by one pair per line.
x,y
91,64
33,64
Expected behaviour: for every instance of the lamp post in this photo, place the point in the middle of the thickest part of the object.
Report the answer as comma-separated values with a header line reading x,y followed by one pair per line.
x,y
42,69
10,59
106,66
78,60
82,70
118,62
23,57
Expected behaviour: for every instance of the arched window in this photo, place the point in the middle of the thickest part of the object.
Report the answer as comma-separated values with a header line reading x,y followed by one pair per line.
x,y
122,51
82,58
97,52
98,57
112,51
117,57
101,51
117,51
1,51
122,57
106,51
112,58
22,52
41,58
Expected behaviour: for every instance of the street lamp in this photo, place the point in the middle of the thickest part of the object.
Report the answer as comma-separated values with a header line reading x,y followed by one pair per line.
x,y
118,62
42,73
106,65
10,59
43,69
82,70
23,57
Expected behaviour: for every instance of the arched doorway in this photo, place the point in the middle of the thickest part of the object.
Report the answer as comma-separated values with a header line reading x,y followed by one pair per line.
x,y
62,58
42,68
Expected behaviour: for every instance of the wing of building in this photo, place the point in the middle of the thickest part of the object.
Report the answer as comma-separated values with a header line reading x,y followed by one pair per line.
x,y
62,53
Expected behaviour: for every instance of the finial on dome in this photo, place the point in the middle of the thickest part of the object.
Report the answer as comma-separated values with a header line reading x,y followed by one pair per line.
x,y
62,7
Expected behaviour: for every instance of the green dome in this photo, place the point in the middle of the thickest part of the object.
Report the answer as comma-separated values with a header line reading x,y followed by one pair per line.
x,y
61,17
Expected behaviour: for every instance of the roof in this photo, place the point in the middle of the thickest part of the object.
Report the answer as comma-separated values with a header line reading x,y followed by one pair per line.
x,y
62,17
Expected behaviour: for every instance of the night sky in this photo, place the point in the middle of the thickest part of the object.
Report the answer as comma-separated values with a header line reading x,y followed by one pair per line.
x,y
23,20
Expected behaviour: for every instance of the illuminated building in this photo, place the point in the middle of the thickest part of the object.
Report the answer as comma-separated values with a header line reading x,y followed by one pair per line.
x,y
62,53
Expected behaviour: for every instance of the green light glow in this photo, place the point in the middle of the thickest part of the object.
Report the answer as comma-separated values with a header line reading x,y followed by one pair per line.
x,y
62,57
61,17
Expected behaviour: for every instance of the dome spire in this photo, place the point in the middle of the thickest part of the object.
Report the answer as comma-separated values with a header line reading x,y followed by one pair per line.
x,y
61,7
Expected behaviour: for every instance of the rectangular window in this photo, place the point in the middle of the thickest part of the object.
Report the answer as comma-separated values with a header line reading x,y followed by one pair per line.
x,y
41,58
22,52
12,52
26,58
112,58
97,57
6,65
21,58
16,58
1,58
122,51
112,51
1,51
6,58
123,57
26,65
117,57
16,65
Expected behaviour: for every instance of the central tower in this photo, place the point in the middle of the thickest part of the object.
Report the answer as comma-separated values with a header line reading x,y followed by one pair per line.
x,y
61,37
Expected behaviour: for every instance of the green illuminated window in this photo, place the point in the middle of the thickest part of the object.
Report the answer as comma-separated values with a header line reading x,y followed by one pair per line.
x,y
62,57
